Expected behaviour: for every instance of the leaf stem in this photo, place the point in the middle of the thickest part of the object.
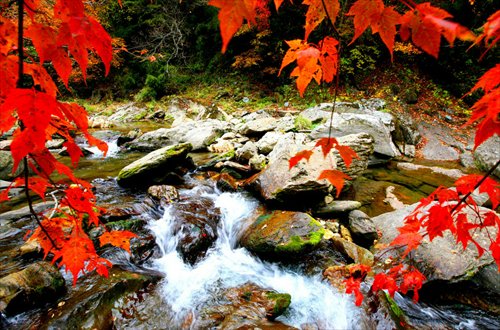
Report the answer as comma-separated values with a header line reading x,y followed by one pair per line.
x,y
464,198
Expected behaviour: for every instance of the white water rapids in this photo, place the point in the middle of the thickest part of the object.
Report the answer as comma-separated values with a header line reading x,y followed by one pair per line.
x,y
186,288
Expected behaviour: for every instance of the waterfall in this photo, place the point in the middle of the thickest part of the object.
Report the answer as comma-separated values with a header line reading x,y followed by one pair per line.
x,y
187,288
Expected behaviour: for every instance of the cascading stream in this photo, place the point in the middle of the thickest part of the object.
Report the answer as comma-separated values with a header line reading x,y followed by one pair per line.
x,y
188,288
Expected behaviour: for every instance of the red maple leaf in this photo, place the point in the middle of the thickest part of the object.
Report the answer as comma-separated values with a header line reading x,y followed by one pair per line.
x,y
44,39
82,200
412,280
347,154
381,19
383,281
118,238
490,79
74,253
427,24
312,62
231,16
336,178
34,109
352,286
38,185
304,154
326,144
495,250
439,219
491,32
316,13
411,240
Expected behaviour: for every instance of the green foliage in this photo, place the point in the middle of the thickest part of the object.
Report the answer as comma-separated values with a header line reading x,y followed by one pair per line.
x,y
358,62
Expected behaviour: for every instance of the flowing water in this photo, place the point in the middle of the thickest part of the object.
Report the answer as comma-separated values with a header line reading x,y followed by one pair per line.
x,y
188,288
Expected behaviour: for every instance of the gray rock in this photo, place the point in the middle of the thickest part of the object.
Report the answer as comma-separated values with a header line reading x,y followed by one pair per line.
x,y
54,144
285,124
199,134
128,113
248,151
299,186
266,144
6,166
37,284
246,307
362,228
258,126
258,162
377,124
337,208
154,167
488,154
25,211
5,145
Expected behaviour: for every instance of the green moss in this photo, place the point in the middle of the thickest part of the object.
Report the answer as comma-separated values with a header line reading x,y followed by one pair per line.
x,y
281,302
302,123
247,295
130,224
297,244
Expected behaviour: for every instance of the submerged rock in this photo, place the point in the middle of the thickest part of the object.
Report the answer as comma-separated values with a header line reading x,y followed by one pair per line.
x,y
155,167
37,284
282,235
246,307
89,305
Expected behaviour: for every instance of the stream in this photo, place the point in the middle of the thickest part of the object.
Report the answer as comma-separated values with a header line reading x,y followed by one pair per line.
x,y
178,299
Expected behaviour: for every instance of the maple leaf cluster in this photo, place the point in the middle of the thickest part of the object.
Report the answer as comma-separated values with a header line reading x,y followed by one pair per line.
x,y
60,34
424,25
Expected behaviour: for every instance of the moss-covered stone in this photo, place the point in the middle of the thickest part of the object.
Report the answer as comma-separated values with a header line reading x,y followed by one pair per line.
x,y
35,285
281,302
154,167
282,234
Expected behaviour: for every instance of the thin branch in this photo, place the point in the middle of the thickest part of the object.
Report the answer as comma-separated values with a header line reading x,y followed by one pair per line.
x,y
30,203
464,198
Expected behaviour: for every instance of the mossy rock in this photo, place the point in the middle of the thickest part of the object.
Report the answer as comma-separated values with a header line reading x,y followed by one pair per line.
x,y
154,167
282,235
37,284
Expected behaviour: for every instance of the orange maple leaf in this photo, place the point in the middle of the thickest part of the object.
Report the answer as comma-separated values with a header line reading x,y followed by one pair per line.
x,y
316,13
118,238
381,19
427,24
304,154
231,16
336,178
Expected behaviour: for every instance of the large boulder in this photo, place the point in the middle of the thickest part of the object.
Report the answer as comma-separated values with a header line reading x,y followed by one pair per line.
x,y
445,263
487,154
376,124
200,134
282,235
37,284
299,186
155,167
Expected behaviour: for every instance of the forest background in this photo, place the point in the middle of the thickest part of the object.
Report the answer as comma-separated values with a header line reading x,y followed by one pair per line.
x,y
167,47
